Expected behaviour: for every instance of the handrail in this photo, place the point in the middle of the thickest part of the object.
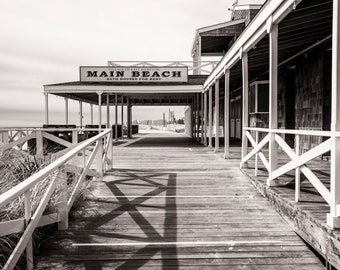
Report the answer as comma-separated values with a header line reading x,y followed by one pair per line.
x,y
322,133
36,219
298,160
32,180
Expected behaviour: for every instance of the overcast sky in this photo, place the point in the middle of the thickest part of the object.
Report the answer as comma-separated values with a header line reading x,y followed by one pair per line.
x,y
45,42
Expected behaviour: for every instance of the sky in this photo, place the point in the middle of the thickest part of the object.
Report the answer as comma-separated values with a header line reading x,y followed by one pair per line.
x,y
45,42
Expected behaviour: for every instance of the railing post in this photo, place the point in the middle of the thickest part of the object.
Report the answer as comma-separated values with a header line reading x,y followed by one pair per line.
x,y
74,136
39,144
333,219
62,204
273,67
99,161
110,150
297,170
256,155
28,215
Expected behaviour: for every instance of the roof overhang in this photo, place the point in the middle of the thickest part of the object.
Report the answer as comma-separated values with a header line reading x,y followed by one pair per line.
x,y
139,93
216,36
272,12
123,89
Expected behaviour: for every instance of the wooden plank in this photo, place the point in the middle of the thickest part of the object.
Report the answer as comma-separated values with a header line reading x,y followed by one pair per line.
x,y
190,210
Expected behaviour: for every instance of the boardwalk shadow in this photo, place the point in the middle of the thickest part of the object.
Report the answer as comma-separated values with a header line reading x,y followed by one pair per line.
x,y
156,240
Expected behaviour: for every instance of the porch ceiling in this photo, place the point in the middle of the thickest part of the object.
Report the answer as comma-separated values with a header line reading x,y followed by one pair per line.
x,y
310,23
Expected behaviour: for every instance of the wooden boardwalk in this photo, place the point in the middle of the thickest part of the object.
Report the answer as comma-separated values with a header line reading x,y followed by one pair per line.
x,y
170,203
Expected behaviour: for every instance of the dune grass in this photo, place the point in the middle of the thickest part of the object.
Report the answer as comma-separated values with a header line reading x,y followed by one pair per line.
x,y
15,167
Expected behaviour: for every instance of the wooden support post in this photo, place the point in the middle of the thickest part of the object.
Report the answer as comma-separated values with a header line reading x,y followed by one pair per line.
x,y
129,128
197,117
199,53
100,110
108,111
28,215
205,118
80,114
116,117
210,117
193,114
91,107
273,68
190,124
245,108
46,109
99,160
256,155
217,115
333,219
122,115
226,112
202,118
66,111
297,170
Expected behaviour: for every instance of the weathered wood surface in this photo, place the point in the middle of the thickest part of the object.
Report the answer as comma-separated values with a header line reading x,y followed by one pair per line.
x,y
308,216
172,204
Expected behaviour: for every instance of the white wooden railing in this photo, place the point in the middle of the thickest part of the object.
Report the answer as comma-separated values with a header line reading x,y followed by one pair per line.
x,y
194,67
93,149
298,161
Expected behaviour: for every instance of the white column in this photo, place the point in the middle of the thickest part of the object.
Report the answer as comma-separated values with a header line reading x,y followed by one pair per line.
x,y
202,118
210,117
199,53
107,110
116,117
99,162
245,109
91,106
193,117
333,216
66,111
46,109
273,66
80,113
122,114
197,117
217,115
100,110
128,118
226,112
205,118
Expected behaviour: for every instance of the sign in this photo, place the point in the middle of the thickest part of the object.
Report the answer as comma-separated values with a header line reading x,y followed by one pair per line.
x,y
133,74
